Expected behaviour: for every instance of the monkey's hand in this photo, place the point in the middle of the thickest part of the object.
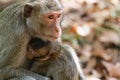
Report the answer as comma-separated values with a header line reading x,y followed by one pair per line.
x,y
53,52
55,49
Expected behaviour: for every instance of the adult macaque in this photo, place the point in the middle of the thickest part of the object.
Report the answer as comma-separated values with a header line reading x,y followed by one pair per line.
x,y
60,64
18,24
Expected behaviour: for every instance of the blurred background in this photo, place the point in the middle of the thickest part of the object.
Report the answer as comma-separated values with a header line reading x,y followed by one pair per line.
x,y
92,28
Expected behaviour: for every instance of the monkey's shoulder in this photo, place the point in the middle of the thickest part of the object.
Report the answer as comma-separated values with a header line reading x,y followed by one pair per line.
x,y
67,48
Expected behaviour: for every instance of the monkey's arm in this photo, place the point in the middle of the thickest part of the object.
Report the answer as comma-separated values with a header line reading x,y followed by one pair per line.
x,y
72,52
20,74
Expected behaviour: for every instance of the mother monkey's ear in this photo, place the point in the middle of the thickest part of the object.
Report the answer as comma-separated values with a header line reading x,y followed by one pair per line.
x,y
28,8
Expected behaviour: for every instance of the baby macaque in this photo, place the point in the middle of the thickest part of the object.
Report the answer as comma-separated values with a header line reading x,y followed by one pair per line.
x,y
55,60
42,50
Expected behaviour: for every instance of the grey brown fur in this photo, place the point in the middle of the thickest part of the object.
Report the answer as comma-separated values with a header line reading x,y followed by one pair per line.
x,y
16,30
15,34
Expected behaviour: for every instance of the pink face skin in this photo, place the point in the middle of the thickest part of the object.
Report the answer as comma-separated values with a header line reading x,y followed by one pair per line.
x,y
53,24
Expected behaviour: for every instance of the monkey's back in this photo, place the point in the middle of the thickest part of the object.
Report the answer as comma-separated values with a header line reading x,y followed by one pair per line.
x,y
12,31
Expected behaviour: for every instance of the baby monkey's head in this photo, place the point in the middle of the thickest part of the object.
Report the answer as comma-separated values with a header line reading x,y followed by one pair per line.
x,y
40,50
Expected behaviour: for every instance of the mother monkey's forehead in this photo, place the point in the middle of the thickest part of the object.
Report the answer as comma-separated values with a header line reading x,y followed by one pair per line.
x,y
46,6
52,4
